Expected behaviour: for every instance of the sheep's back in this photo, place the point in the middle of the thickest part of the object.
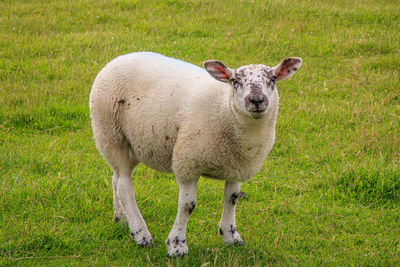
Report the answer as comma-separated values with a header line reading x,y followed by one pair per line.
x,y
145,94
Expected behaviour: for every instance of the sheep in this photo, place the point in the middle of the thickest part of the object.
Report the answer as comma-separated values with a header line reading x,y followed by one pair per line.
x,y
176,117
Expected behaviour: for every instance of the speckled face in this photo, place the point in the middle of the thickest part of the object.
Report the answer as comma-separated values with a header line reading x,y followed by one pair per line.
x,y
253,85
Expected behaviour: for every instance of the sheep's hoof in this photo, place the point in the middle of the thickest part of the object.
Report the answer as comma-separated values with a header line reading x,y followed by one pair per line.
x,y
176,247
238,242
142,239
231,236
234,242
145,243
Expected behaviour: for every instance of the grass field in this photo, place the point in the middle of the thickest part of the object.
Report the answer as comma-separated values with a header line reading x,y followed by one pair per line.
x,y
328,194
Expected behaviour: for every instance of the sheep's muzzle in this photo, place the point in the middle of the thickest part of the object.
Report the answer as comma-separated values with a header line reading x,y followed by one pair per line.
x,y
256,103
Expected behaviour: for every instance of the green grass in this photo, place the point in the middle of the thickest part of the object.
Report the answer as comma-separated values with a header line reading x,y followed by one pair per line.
x,y
329,193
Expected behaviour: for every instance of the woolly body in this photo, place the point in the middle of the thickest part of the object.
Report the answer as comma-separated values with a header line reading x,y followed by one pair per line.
x,y
176,118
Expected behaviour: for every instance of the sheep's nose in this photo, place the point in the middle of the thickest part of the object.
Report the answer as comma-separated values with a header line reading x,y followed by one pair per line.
x,y
257,100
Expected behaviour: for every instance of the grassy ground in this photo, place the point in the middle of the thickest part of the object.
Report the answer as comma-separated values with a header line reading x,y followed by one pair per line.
x,y
329,193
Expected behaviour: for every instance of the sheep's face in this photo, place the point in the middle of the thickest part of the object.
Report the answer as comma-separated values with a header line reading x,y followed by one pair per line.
x,y
253,85
253,88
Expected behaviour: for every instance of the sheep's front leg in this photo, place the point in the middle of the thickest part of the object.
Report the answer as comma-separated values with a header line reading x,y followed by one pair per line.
x,y
227,226
176,242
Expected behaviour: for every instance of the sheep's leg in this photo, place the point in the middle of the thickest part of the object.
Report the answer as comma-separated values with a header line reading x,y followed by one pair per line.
x,y
137,225
118,211
123,165
227,226
176,242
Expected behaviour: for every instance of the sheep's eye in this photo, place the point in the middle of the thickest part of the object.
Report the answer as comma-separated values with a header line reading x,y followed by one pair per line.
x,y
235,82
273,79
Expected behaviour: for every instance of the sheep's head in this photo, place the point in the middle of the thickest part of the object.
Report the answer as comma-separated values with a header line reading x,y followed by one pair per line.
x,y
253,85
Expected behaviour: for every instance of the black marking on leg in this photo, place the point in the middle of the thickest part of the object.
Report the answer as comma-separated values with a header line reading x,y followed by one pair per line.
x,y
233,230
176,240
117,219
176,244
234,198
142,242
221,232
190,207
137,232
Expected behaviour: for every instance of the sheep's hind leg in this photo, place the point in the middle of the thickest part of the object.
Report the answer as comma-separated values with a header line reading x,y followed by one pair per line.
x,y
176,242
119,214
124,198
227,227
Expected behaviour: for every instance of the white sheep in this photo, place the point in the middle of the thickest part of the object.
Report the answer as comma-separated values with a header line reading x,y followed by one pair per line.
x,y
176,117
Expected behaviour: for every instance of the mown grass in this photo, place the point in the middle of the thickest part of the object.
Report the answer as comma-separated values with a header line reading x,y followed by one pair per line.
x,y
329,193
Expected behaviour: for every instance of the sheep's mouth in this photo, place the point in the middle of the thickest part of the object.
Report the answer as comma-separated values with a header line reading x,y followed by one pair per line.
x,y
256,108
257,114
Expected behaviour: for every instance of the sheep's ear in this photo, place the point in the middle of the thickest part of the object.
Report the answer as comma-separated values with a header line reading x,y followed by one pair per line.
x,y
287,68
218,70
